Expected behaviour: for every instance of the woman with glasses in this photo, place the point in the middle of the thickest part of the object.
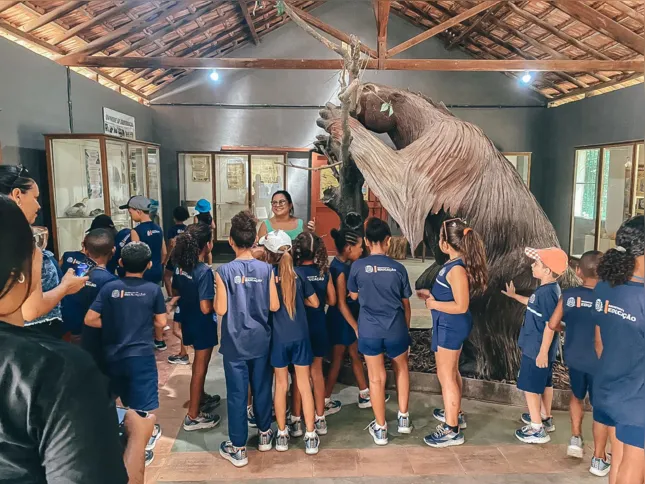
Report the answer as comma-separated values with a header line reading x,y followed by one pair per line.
x,y
283,219
42,309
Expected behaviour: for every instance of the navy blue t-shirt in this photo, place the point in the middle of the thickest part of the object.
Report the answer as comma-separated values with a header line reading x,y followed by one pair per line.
x,y
72,318
193,287
311,273
72,259
580,331
151,234
75,306
619,384
175,230
246,333
381,283
541,305
128,307
285,329
336,268
122,238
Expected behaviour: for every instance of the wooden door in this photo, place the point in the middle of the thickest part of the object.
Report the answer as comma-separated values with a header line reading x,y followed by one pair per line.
x,y
326,219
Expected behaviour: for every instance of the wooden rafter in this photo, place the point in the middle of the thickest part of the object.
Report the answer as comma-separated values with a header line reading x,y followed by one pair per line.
x,y
390,64
457,19
480,20
249,21
52,16
593,18
8,4
629,11
598,87
382,13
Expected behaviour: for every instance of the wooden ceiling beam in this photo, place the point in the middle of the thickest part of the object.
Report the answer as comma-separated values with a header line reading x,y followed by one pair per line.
x,y
249,21
481,19
8,4
328,29
52,16
382,12
598,87
471,65
593,18
456,20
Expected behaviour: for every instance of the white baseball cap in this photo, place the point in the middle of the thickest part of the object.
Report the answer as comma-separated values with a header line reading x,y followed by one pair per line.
x,y
275,240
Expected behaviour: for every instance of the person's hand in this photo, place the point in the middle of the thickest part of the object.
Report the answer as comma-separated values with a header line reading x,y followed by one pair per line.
x,y
510,290
311,225
139,429
423,294
542,361
72,283
170,308
430,301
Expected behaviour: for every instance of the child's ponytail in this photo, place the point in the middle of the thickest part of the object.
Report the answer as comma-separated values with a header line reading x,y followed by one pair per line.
x,y
618,264
288,283
474,256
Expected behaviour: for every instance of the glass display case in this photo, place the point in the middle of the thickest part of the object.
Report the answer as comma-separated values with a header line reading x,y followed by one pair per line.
x,y
196,180
91,174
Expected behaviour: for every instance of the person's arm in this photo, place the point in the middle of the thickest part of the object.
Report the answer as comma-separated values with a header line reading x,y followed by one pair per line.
x,y
311,298
274,298
138,431
555,322
93,319
352,283
40,303
221,298
93,315
164,252
547,304
206,292
134,236
598,342
262,231
331,293
160,320
458,280
341,293
311,225
407,311
542,360
510,292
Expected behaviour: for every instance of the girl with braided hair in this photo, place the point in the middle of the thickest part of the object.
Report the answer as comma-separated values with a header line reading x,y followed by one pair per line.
x,y
619,384
312,264
193,288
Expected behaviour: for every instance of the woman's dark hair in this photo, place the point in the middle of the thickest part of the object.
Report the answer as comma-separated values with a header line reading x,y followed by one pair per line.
x,y
343,238
204,218
16,247
309,247
14,176
180,214
190,245
617,265
376,230
287,195
244,229
469,243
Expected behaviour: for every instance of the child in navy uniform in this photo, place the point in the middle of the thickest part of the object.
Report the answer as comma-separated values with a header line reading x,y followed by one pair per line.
x,y
383,287
127,310
341,320
194,286
538,344
290,343
98,247
619,384
179,216
464,275
574,314
312,264
152,235
246,293
121,239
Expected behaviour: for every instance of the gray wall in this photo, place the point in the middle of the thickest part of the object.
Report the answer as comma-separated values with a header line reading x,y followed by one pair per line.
x,y
182,128
609,118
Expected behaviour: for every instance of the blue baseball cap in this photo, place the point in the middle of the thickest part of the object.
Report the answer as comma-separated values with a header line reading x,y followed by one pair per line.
x,y
203,206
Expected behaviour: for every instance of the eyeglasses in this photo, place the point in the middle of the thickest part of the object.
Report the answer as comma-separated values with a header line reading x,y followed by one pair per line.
x,y
279,203
41,236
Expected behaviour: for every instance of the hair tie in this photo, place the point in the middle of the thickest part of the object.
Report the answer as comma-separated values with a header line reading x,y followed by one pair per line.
x,y
620,248
467,229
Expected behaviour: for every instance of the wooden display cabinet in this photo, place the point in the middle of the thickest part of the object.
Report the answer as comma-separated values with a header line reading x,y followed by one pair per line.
x,y
91,174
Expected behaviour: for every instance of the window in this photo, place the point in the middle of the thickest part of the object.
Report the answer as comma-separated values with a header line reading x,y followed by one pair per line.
x,y
586,180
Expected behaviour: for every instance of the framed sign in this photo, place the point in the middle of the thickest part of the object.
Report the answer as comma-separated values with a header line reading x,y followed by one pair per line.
x,y
118,124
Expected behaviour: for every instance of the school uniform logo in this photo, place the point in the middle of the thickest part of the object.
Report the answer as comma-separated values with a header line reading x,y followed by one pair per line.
x,y
70,260
571,302
373,269
442,272
244,279
613,309
238,280
152,232
369,269
532,298
599,305
116,294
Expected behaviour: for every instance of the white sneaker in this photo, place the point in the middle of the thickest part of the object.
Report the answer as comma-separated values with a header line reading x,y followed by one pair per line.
x,y
379,434
282,441
404,424
576,447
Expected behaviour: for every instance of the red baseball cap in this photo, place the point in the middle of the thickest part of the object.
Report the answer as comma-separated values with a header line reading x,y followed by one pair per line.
x,y
553,257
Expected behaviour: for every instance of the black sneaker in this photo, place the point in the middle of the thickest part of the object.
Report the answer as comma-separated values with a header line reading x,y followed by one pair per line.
x,y
178,360
150,456
203,421
160,345
210,403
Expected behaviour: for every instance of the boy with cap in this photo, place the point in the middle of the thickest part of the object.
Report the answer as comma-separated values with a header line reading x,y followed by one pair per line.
x,y
152,235
574,314
538,344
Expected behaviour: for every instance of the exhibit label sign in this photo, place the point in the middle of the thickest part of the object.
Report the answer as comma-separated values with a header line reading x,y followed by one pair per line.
x,y
118,124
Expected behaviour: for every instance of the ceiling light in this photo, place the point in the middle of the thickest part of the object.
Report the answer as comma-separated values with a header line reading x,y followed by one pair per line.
x,y
214,75
526,78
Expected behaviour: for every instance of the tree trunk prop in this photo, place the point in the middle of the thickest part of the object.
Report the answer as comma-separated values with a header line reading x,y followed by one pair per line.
x,y
445,167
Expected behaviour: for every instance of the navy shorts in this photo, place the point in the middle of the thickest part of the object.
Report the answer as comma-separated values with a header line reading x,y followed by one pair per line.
x,y
450,331
199,332
295,353
601,417
533,379
631,435
392,347
136,381
170,267
339,330
319,339
581,384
